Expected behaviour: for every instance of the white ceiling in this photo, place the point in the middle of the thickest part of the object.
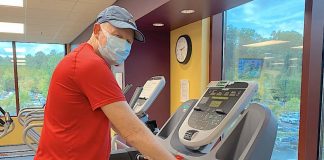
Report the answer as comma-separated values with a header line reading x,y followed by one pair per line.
x,y
52,21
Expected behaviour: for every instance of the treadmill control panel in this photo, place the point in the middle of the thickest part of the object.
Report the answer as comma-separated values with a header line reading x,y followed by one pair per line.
x,y
216,110
213,107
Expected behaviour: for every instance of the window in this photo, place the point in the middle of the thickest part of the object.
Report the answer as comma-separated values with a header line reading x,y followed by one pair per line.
x,y
35,64
321,143
74,46
263,43
7,83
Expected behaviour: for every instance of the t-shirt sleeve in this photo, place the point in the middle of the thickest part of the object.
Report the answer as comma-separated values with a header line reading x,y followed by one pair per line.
x,y
97,83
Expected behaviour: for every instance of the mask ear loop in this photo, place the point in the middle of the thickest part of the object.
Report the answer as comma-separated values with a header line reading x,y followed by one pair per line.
x,y
106,34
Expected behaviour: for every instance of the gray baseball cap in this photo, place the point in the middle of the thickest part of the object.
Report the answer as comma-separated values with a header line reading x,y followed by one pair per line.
x,y
120,18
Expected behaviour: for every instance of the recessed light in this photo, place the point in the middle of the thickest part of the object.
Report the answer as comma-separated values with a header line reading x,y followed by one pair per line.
x,y
10,56
278,63
297,47
21,64
267,53
293,59
158,24
14,3
265,43
19,61
268,57
20,56
188,11
20,50
6,27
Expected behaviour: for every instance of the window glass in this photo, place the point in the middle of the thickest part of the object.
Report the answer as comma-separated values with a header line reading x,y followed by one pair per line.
x,y
74,46
36,63
263,43
7,83
321,143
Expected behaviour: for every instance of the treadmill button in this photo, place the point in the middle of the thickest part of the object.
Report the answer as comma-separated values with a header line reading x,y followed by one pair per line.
x,y
219,94
220,111
189,134
178,157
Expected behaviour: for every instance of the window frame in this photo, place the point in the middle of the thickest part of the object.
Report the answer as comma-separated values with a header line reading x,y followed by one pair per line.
x,y
310,101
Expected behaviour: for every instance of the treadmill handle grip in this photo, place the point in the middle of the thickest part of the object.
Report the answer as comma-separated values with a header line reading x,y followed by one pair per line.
x,y
135,96
2,111
127,88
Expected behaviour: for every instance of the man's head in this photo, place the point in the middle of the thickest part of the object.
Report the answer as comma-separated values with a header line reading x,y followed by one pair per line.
x,y
114,33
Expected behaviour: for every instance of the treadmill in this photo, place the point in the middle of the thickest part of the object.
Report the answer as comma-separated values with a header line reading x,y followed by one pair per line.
x,y
222,124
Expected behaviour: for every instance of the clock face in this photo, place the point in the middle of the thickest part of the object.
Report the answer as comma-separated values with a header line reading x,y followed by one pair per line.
x,y
183,49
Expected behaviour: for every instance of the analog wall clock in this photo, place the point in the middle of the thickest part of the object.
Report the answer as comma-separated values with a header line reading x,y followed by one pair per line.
x,y
183,49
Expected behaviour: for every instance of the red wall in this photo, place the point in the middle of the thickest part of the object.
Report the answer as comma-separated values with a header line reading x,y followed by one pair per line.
x,y
150,59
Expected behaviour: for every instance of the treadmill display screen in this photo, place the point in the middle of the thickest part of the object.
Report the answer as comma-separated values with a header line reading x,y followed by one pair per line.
x,y
215,103
220,98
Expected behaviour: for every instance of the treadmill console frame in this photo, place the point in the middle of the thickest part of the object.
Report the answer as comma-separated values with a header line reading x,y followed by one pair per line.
x,y
217,109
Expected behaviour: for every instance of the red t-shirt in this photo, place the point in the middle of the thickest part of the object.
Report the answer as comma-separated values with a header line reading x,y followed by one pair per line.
x,y
75,127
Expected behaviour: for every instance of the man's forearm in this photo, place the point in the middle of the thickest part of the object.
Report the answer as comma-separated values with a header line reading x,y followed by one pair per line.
x,y
134,131
148,145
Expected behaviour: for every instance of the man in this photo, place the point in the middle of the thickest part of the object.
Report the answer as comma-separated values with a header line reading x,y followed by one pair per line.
x,y
84,99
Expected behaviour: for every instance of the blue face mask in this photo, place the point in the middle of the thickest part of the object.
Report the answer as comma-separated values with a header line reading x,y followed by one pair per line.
x,y
116,50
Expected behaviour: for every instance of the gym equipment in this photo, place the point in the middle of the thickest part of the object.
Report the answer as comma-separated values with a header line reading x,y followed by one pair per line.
x,y
32,120
217,109
127,88
6,124
151,90
140,102
221,125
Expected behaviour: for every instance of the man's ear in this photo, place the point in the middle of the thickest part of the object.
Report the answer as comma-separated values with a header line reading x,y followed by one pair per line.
x,y
96,30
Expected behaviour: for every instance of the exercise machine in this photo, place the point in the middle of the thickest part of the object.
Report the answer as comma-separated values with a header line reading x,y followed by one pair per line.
x,y
222,124
140,102
6,124
31,119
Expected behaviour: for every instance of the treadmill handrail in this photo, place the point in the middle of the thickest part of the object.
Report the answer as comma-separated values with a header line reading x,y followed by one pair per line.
x,y
25,135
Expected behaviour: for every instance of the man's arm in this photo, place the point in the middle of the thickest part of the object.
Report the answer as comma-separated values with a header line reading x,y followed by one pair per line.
x,y
134,131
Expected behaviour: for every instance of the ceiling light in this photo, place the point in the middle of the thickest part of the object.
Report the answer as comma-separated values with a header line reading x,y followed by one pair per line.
x,y
188,11
293,59
6,27
278,63
21,64
15,3
20,50
268,57
298,47
17,56
20,56
19,61
265,43
267,53
158,24
292,66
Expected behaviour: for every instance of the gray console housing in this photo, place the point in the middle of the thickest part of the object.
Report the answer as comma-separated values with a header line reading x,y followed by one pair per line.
x,y
251,138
